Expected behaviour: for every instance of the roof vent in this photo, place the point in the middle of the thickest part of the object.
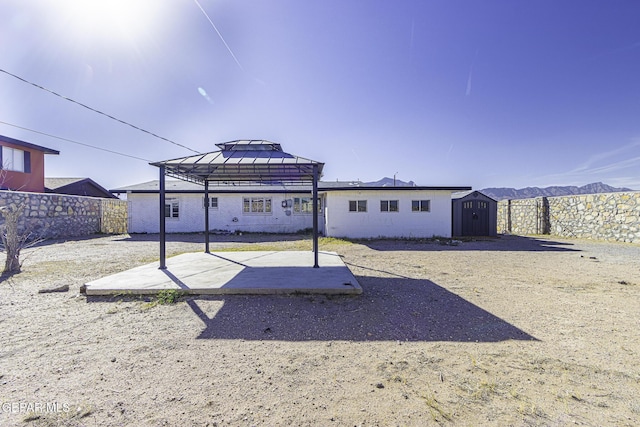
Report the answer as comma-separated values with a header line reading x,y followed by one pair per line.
x,y
250,145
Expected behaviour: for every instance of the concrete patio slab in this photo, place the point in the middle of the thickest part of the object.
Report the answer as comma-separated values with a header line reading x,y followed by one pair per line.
x,y
251,272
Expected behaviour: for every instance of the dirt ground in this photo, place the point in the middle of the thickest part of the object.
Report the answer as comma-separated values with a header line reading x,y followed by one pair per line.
x,y
514,331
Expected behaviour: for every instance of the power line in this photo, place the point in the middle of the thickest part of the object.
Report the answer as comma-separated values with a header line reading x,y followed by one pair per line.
x,y
76,142
98,111
220,35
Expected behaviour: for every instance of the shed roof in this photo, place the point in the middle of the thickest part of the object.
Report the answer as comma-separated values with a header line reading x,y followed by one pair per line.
x,y
475,193
243,161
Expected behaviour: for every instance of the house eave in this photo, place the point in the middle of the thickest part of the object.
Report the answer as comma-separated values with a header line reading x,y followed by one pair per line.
x,y
402,189
241,190
29,145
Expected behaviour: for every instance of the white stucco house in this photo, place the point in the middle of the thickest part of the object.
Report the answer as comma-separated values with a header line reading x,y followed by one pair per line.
x,y
346,209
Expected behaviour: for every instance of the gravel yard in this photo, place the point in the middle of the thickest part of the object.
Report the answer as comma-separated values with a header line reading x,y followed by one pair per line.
x,y
511,331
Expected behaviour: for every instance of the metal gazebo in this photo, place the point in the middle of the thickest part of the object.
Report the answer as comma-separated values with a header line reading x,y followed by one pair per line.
x,y
240,162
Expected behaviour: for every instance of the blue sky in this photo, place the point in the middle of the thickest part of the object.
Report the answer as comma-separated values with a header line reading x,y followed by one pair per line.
x,y
481,93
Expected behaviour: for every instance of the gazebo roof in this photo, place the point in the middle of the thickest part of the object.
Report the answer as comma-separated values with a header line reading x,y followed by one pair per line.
x,y
243,161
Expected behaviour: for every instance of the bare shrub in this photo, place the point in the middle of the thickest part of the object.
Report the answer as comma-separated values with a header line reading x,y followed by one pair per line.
x,y
13,236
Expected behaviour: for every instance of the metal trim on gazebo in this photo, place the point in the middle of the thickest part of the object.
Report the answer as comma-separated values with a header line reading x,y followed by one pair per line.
x,y
240,162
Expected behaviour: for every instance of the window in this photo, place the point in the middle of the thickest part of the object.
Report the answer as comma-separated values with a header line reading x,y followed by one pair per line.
x,y
421,206
389,206
213,203
256,205
15,160
304,205
467,205
482,205
171,208
357,205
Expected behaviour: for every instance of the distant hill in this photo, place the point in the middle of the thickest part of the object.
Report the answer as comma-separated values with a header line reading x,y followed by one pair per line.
x,y
389,182
529,192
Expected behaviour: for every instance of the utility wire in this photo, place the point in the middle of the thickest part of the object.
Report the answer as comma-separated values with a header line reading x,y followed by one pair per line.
x,y
98,111
76,142
220,35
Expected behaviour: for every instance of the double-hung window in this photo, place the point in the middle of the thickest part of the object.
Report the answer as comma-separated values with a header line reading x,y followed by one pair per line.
x,y
171,208
257,205
421,206
13,159
389,206
304,205
213,203
357,205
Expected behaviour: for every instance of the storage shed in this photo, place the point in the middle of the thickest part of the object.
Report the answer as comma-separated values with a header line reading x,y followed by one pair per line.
x,y
473,214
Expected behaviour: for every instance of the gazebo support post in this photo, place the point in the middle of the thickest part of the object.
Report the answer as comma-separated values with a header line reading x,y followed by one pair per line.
x,y
315,216
163,237
206,216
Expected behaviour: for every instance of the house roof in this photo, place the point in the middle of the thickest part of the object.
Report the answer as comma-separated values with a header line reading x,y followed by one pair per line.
x,y
66,185
374,186
243,161
179,186
55,183
24,144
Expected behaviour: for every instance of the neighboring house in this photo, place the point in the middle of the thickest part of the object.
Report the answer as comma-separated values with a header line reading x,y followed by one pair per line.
x,y
347,209
22,165
77,187
474,214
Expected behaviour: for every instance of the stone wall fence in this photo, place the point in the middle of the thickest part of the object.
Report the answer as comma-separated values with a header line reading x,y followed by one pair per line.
x,y
605,216
57,216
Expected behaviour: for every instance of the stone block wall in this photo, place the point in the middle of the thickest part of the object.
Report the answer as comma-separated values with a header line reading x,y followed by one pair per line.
x,y
521,216
606,216
55,215
113,216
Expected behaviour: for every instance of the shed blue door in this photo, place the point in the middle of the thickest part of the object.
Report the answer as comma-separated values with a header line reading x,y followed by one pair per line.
x,y
475,218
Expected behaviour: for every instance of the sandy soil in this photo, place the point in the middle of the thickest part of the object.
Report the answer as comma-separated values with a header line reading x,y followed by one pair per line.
x,y
514,331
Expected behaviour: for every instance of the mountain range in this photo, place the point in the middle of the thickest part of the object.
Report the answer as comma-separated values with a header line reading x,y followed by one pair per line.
x,y
390,182
501,193
529,192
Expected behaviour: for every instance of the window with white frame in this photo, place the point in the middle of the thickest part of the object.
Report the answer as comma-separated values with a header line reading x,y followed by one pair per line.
x,y
15,160
212,204
357,205
421,206
257,205
304,205
389,206
171,208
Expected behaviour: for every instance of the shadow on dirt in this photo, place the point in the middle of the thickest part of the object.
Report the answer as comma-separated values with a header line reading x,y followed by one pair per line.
x,y
224,237
503,243
390,309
